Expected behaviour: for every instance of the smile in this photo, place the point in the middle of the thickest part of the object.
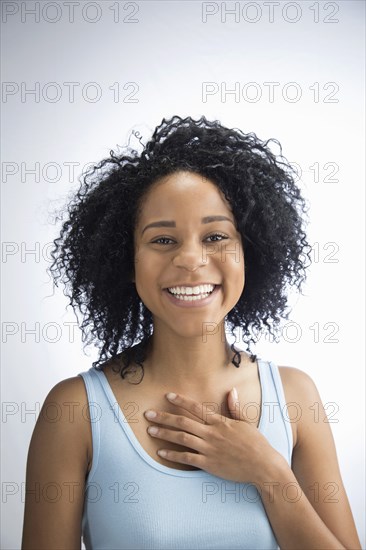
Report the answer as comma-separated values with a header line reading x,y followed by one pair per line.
x,y
192,300
191,291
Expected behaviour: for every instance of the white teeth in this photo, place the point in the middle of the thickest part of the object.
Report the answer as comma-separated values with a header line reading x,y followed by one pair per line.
x,y
191,298
189,291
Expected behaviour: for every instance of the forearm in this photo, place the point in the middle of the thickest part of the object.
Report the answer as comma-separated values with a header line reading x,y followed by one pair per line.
x,y
294,521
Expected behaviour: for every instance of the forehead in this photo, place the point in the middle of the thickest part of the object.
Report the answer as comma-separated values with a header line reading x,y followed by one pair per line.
x,y
182,194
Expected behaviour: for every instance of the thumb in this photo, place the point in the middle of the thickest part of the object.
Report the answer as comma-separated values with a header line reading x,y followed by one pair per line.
x,y
233,402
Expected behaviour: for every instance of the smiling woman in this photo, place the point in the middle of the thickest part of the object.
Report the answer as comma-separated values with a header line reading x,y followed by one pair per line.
x,y
176,267
161,252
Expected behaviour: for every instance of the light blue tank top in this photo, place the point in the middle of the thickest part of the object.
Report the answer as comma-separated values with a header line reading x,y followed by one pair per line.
x,y
131,501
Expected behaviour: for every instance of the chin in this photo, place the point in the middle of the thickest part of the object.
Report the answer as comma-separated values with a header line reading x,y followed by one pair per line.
x,y
197,330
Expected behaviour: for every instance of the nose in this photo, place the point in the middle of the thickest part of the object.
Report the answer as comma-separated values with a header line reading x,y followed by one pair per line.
x,y
190,256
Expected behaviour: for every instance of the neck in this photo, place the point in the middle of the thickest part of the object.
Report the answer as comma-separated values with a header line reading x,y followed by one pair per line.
x,y
187,364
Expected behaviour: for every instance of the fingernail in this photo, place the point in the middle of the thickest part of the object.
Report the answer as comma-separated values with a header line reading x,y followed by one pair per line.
x,y
171,396
235,393
150,414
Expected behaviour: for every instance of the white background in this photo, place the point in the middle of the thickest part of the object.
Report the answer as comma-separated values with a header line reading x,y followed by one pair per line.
x,y
168,50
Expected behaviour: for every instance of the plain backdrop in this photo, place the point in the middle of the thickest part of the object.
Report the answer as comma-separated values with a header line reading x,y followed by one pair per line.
x,y
288,70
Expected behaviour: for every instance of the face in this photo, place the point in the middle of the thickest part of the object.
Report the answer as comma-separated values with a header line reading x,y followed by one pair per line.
x,y
179,244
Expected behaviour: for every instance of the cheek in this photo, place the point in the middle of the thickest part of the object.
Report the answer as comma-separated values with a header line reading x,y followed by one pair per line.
x,y
146,263
235,268
238,276
148,271
137,263
233,259
144,283
143,260
141,273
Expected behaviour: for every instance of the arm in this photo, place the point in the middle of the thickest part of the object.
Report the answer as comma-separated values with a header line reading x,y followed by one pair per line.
x,y
56,469
312,512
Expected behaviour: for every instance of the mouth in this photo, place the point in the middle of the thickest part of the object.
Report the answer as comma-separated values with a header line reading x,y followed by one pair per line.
x,y
192,300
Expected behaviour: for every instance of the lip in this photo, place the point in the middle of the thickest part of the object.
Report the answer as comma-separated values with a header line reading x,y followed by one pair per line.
x,y
195,303
189,285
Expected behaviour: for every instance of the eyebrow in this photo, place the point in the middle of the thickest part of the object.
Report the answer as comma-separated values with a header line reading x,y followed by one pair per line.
x,y
171,223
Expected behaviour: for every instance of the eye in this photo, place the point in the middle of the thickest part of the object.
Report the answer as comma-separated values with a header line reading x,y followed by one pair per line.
x,y
162,239
217,235
220,235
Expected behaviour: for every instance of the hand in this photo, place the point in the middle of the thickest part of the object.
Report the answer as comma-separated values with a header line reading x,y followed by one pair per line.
x,y
229,448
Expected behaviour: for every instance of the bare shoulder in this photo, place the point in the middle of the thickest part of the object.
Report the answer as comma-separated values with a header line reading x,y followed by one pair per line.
x,y
69,395
300,395
297,383
74,384
57,456
314,460
69,401
294,372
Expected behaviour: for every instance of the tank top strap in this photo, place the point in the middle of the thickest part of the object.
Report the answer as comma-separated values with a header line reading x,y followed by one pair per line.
x,y
274,406
97,407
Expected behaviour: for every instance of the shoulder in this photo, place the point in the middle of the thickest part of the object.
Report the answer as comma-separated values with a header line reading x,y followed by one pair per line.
x,y
300,395
70,391
302,398
74,384
63,410
297,383
314,460
58,452
66,405
67,401
296,379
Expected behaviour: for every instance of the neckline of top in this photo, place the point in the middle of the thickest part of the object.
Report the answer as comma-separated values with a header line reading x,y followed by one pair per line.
x,y
140,449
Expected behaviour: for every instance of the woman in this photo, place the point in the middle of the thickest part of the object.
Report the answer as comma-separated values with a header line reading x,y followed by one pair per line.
x,y
201,231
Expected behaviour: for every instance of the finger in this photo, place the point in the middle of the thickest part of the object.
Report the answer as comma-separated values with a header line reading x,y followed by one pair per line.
x,y
234,405
236,412
182,423
183,458
181,438
203,411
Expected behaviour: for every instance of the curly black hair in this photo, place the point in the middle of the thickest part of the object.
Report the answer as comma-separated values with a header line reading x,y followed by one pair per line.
x,y
94,254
